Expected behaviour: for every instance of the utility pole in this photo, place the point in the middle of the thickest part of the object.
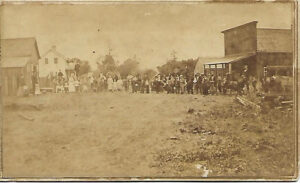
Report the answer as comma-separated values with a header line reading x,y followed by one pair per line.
x,y
173,54
109,51
134,57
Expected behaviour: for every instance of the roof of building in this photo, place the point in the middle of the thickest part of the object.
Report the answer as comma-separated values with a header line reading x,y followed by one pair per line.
x,y
226,59
54,51
18,47
10,62
274,40
253,22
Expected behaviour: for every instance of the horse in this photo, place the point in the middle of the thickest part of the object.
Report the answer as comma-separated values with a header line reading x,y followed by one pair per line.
x,y
235,85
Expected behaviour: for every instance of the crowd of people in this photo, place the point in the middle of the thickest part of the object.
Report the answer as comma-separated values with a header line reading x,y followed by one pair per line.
x,y
173,83
202,84
210,83
88,82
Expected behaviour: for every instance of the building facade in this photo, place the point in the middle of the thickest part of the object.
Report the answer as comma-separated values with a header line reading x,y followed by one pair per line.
x,y
255,47
50,64
19,64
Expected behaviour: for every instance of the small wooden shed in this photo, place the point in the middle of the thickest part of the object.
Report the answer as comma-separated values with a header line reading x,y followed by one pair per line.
x,y
19,60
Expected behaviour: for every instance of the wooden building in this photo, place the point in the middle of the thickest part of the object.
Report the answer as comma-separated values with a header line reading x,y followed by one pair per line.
x,y
255,47
19,60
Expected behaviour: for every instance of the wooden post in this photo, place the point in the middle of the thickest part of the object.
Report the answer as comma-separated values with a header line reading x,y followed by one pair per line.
x,y
222,70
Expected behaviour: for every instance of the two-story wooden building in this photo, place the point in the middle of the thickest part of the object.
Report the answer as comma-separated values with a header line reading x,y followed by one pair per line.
x,y
255,47
50,64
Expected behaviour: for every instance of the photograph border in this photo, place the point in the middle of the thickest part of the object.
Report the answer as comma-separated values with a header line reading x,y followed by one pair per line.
x,y
296,95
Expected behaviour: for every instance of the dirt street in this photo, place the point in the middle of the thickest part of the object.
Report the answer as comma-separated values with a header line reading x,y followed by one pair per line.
x,y
143,135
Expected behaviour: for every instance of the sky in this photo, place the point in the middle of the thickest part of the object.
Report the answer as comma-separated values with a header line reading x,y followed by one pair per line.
x,y
151,31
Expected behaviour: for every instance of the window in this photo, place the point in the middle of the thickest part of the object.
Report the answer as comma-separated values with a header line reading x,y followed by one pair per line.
x,y
46,60
219,66
55,60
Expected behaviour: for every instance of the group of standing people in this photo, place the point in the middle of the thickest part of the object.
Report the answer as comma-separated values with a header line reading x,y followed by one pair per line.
x,y
65,84
180,84
114,82
87,82
141,83
204,83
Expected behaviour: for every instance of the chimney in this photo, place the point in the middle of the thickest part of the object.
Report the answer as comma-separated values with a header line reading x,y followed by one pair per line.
x,y
54,47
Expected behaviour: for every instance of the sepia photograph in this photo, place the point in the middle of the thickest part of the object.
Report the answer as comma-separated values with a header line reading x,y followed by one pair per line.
x,y
149,90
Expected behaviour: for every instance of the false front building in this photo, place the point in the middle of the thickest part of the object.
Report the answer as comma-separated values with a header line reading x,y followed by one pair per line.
x,y
258,48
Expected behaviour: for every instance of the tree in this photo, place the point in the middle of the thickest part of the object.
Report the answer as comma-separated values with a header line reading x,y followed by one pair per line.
x,y
129,66
172,66
150,73
109,64
84,65
184,67
190,65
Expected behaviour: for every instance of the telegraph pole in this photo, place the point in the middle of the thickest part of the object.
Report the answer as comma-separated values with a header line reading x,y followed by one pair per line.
x,y
109,51
173,55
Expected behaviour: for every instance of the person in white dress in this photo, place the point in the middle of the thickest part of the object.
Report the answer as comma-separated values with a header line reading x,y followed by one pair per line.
x,y
120,85
72,83
110,83
115,85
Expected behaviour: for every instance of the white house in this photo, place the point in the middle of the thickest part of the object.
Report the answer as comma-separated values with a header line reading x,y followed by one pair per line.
x,y
51,62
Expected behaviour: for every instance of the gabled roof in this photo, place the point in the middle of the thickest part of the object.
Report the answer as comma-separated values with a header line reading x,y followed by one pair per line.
x,y
274,40
54,51
18,47
9,62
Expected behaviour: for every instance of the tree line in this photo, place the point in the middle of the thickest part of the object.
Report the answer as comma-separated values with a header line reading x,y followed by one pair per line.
x,y
132,67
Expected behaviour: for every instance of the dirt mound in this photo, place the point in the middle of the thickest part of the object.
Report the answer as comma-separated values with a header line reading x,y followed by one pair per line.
x,y
233,141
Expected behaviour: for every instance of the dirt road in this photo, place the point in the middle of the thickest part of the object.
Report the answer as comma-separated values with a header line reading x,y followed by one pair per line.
x,y
114,135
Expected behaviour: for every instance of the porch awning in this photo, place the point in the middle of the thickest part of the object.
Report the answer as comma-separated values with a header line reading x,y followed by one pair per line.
x,y
228,59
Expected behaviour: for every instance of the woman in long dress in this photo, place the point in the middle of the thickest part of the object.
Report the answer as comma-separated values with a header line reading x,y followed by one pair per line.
x,y
115,85
72,83
120,85
110,83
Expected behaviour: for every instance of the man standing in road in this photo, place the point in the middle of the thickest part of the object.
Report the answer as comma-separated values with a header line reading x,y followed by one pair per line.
x,y
182,84
77,68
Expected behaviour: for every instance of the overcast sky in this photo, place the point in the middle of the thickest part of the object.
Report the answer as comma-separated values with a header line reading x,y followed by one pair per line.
x,y
151,31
